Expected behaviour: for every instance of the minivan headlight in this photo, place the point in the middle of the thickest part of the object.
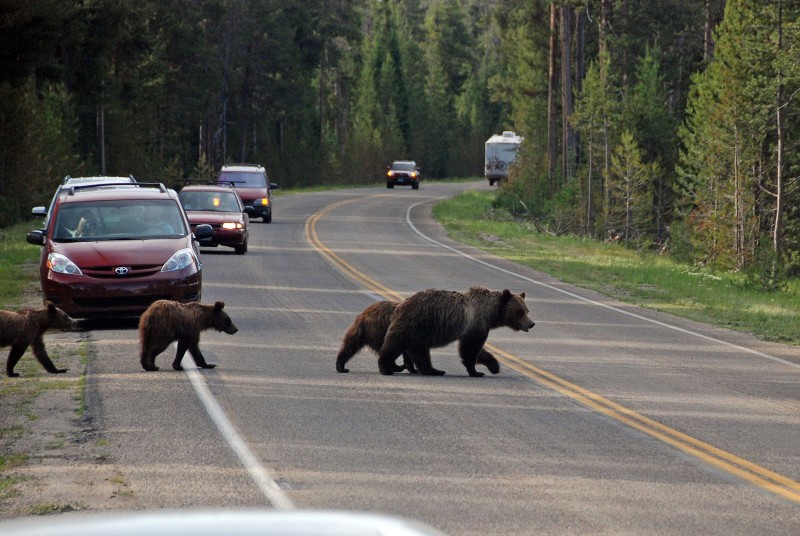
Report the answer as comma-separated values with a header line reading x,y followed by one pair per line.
x,y
62,265
180,260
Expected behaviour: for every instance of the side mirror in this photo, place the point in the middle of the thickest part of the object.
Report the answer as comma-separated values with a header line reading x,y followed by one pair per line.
x,y
273,186
36,238
249,210
203,231
39,211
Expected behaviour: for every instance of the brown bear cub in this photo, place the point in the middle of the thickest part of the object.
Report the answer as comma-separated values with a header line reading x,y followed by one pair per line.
x,y
20,329
166,321
369,329
434,318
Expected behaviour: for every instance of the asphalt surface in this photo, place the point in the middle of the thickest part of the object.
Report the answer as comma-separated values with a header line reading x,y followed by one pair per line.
x,y
604,419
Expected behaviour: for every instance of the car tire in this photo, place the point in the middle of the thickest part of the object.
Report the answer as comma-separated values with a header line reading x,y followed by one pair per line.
x,y
268,218
241,249
415,186
389,185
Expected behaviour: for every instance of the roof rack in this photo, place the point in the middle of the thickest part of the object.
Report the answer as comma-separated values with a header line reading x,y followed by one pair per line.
x,y
239,164
187,182
72,189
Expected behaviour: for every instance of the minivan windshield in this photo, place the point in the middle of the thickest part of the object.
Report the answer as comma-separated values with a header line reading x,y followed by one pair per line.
x,y
129,219
243,179
210,201
403,166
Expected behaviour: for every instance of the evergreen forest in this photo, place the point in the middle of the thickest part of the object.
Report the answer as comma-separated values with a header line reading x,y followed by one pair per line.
x,y
666,125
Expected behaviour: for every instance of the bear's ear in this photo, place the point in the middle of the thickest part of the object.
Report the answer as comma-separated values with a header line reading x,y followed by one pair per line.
x,y
51,308
522,295
506,295
218,306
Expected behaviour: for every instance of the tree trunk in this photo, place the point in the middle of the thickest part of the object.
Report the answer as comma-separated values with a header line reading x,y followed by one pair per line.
x,y
552,148
580,70
567,134
777,235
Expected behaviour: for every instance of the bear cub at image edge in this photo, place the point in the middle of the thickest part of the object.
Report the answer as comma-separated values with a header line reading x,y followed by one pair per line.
x,y
20,329
166,321
434,318
369,329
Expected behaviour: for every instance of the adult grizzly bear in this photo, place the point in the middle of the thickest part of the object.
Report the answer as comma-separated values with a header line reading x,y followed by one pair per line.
x,y
433,318
166,321
20,329
369,329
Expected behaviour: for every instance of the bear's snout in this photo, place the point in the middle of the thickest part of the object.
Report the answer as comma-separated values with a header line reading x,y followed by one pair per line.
x,y
231,330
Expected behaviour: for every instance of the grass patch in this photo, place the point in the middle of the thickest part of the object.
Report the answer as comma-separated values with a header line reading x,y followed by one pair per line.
x,y
648,280
17,260
43,509
8,487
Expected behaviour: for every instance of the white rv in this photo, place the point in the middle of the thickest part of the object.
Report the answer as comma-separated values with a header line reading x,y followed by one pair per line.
x,y
501,151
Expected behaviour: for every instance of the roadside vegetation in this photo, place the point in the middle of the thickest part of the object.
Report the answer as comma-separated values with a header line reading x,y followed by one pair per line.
x,y
20,426
726,298
17,259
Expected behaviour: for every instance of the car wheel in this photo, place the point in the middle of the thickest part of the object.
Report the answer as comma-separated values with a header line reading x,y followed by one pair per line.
x,y
415,186
268,218
241,249
389,185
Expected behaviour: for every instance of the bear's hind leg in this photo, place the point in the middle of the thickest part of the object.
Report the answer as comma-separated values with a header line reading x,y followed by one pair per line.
x,y
150,349
408,363
353,342
13,358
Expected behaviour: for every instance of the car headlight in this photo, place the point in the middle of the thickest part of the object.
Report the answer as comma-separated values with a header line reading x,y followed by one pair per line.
x,y
263,201
390,173
180,260
62,265
231,226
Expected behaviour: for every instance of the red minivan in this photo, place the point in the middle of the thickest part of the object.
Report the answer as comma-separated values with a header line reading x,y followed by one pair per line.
x,y
114,250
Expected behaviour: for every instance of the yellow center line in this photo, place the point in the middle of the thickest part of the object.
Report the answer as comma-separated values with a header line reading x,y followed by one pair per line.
x,y
723,460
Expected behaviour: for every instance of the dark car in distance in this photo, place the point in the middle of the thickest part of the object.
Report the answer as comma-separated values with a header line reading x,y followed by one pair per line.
x,y
252,185
403,173
222,209
114,250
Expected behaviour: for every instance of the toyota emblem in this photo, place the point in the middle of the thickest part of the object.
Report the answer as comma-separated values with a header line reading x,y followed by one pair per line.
x,y
122,270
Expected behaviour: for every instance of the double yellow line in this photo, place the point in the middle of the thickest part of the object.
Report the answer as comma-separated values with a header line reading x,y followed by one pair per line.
x,y
722,460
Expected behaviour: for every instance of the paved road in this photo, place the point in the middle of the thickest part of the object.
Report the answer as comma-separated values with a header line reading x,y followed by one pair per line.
x,y
605,419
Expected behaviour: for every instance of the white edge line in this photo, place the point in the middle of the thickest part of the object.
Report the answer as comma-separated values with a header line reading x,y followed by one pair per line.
x,y
257,471
593,302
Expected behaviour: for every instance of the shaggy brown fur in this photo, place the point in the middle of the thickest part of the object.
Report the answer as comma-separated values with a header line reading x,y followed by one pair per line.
x,y
20,329
369,329
433,318
166,321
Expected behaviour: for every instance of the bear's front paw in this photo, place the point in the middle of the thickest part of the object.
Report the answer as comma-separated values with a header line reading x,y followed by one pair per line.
x,y
59,371
13,374
150,369
342,370
476,374
386,372
208,365
177,367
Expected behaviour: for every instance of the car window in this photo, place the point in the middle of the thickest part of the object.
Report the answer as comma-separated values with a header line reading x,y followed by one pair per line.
x,y
246,179
210,201
118,220
403,166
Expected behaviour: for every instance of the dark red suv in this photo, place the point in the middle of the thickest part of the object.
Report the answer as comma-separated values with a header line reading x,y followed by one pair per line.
x,y
117,249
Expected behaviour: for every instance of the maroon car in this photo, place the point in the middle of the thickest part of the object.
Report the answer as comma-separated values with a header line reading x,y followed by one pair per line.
x,y
222,209
115,250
